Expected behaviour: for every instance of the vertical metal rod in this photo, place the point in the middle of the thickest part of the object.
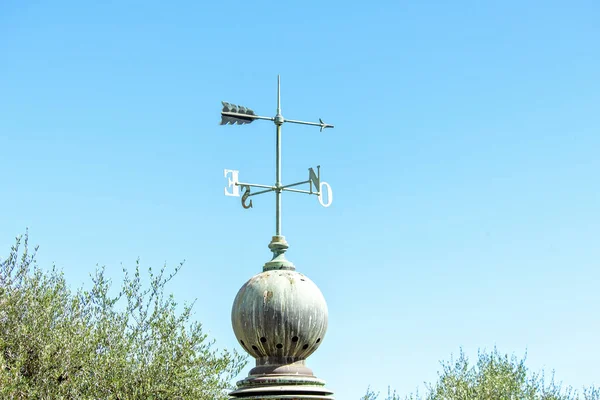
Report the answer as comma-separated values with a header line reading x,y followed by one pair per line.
x,y
278,184
278,95
278,123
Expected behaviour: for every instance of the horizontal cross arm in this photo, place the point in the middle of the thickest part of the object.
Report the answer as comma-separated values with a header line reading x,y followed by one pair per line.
x,y
270,187
321,124
295,184
301,191
261,192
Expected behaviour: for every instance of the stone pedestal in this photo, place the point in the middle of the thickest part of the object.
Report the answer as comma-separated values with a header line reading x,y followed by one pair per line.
x,y
280,387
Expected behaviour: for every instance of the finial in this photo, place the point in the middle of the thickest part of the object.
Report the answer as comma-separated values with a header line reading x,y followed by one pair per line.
x,y
279,246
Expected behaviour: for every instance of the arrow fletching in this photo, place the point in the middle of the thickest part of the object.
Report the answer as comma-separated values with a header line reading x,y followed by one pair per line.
x,y
323,125
233,114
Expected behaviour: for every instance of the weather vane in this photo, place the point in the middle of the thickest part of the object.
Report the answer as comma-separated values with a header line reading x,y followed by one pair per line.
x,y
279,316
234,114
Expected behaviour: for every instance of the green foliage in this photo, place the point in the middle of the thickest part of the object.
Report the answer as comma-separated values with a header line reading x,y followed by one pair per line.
x,y
59,344
371,395
493,377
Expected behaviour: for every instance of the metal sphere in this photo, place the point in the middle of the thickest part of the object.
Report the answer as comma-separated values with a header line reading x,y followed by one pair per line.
x,y
279,316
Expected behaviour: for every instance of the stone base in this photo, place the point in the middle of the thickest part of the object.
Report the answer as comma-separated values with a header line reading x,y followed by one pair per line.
x,y
281,387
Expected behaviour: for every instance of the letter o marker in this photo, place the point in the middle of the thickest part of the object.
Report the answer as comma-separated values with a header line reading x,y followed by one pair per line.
x,y
329,195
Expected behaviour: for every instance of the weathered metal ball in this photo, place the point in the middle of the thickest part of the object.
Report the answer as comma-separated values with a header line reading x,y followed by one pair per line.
x,y
279,316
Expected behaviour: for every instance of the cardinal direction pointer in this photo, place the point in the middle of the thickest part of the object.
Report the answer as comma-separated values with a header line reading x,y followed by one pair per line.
x,y
245,197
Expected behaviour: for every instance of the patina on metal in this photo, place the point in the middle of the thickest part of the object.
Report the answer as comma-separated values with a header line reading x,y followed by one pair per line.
x,y
279,316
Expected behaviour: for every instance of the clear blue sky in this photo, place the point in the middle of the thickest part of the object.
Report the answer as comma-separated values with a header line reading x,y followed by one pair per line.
x,y
464,164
